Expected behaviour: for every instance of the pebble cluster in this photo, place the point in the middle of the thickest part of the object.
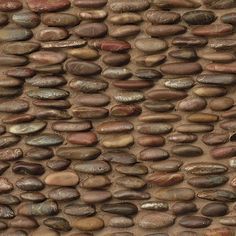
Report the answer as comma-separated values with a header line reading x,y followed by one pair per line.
x,y
117,118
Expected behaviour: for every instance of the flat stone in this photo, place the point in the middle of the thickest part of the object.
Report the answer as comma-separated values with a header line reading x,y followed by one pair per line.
x,y
151,45
205,168
119,157
14,106
52,34
199,17
83,53
92,4
93,15
78,153
183,208
46,208
88,85
91,30
23,222
48,93
195,222
30,184
156,220
89,223
214,209
10,5
131,182
57,223
217,195
186,68
162,17
47,6
79,210
26,19
165,179
6,212
214,30
96,196
125,18
118,141
45,139
63,178
95,182
15,34
27,128
175,194
114,127
30,168
59,19
82,68
93,167
129,6
20,48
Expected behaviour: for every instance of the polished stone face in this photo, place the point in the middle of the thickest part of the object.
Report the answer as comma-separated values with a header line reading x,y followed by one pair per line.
x,y
117,117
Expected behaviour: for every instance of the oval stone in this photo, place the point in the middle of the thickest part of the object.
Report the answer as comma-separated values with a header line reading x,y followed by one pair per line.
x,y
51,34
89,224
46,208
48,93
62,178
27,128
129,6
93,100
14,106
82,68
214,209
210,181
217,195
93,167
125,18
153,154
195,222
113,59
79,210
199,17
45,139
205,168
78,153
175,194
221,104
91,30
16,34
47,6
215,138
95,182
165,179
63,194
88,85
20,48
181,68
150,45
183,208
96,196
213,30
156,220
165,30
114,127
59,19
26,19
165,95
162,17
120,157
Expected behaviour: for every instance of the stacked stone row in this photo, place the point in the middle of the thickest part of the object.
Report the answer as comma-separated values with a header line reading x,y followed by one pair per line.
x,y
117,118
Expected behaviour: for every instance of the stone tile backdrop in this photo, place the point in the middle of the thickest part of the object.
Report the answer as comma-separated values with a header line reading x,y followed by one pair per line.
x,y
117,118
